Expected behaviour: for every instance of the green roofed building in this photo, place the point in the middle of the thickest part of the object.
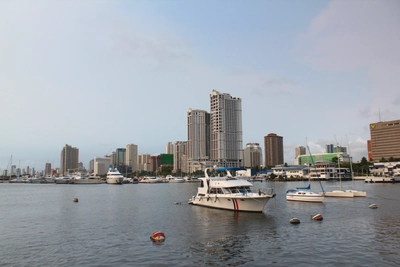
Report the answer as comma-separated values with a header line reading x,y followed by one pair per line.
x,y
167,159
324,157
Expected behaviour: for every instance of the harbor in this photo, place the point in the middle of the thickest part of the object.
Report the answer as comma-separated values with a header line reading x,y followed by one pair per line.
x,y
111,225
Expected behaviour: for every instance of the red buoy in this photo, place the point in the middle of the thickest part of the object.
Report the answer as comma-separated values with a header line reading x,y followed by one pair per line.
x,y
157,236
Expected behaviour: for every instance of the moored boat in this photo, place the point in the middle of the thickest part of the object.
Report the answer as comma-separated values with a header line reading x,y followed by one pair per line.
x,y
114,176
230,194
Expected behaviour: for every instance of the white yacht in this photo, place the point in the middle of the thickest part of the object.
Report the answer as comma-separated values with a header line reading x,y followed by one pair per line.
x,y
87,180
114,176
150,180
62,180
304,195
173,179
230,194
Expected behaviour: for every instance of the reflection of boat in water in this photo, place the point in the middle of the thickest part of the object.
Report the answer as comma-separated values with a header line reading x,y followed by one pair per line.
x,y
230,194
114,176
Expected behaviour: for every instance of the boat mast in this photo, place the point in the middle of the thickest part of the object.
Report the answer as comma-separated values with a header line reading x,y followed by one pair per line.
x,y
338,156
351,162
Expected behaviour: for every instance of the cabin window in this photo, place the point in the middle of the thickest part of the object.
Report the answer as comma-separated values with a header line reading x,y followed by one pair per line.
x,y
235,190
213,190
201,184
219,191
226,190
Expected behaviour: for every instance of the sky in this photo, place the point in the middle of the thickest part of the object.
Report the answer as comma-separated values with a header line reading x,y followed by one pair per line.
x,y
99,75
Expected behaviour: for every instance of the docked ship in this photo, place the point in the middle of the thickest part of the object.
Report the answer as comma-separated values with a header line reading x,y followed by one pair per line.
x,y
229,193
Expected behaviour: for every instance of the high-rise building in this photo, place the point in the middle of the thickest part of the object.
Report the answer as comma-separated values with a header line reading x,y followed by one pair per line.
x,y
120,156
169,148
300,150
329,148
69,159
101,165
273,149
226,149
179,159
198,144
252,155
47,170
385,140
144,162
132,156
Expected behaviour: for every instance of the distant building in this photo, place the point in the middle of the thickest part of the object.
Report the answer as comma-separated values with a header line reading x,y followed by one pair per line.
x,y
169,148
69,159
322,157
120,155
144,162
226,148
252,155
180,159
329,148
385,140
132,157
47,169
273,149
101,165
198,144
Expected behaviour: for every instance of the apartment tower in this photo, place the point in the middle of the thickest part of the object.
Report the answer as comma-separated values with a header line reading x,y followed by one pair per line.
x,y
252,155
69,159
226,130
180,150
273,149
131,157
198,144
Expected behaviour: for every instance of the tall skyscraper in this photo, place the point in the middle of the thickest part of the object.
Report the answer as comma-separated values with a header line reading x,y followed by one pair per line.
x,y
273,149
329,148
385,140
47,170
132,156
252,155
198,144
226,149
69,159
169,148
120,156
144,162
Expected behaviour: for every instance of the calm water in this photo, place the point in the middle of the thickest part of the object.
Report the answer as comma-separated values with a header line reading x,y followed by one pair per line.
x,y
111,226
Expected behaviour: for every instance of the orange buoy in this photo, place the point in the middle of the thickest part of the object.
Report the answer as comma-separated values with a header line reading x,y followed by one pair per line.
x,y
317,217
157,236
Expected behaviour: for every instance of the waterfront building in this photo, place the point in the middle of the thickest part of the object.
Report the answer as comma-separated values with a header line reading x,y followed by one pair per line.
x,y
69,159
120,155
132,157
252,155
387,169
226,136
322,157
198,144
180,158
101,165
385,140
169,148
144,162
273,149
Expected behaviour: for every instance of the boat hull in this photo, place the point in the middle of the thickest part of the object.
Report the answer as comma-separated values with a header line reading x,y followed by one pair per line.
x,y
357,193
249,203
339,193
315,199
115,180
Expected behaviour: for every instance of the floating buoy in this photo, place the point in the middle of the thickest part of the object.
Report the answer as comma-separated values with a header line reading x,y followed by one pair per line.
x,y
317,217
177,203
294,221
75,200
157,236
373,206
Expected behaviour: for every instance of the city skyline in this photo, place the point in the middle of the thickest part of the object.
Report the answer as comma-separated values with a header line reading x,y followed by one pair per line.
x,y
314,70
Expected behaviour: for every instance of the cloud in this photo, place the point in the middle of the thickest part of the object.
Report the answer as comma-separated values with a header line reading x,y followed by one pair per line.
x,y
359,36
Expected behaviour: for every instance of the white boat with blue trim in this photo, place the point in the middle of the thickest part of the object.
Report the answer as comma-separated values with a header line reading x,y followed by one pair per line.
x,y
229,193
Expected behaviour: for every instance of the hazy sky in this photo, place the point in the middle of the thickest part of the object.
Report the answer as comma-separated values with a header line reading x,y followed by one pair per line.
x,y
99,75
